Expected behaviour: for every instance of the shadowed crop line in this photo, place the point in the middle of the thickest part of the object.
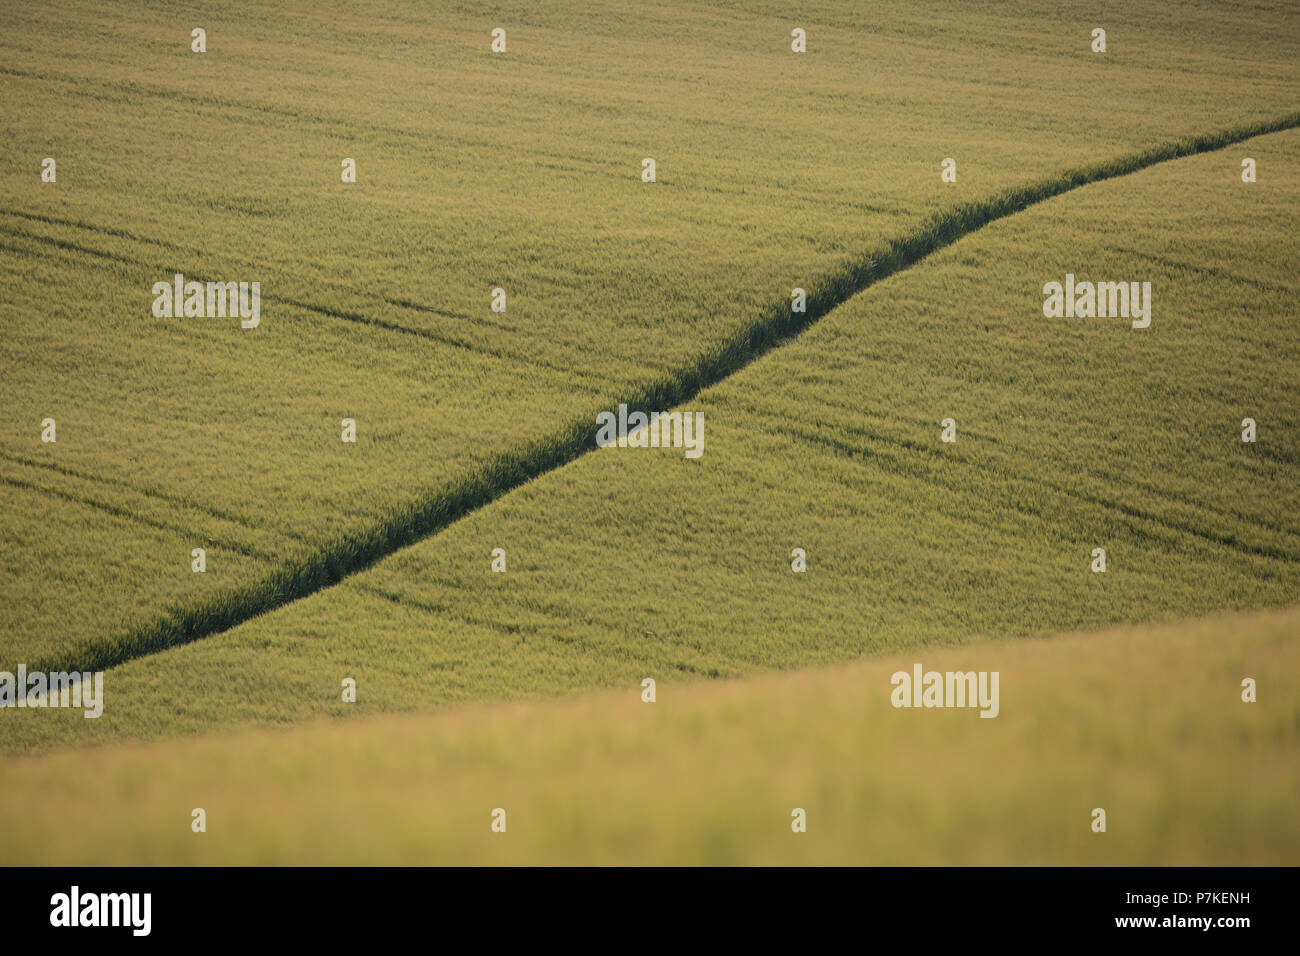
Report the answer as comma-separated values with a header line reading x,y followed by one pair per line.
x,y
554,612
357,550
395,301
127,515
345,315
1132,512
1215,272
1006,465
177,501
425,607
90,227
71,246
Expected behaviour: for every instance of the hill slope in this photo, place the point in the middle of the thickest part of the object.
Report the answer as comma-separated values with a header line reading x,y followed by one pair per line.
x,y
1072,435
475,171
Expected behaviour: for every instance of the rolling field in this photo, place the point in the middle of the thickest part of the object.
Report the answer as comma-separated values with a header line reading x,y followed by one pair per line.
x,y
630,562
475,172
923,465
1144,723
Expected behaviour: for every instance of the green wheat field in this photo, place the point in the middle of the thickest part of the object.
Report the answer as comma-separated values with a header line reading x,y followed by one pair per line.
x,y
495,586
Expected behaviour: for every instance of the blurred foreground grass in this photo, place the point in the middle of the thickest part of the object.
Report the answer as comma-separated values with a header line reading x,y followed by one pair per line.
x,y
1147,723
